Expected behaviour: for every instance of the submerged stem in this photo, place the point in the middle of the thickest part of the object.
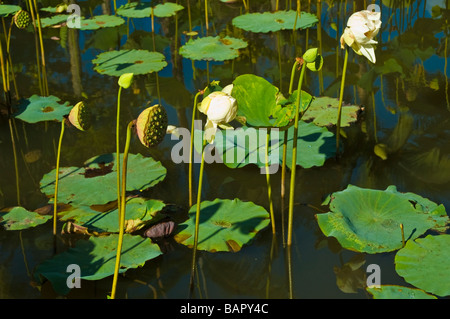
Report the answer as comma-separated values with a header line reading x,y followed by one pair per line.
x,y
294,157
341,96
58,156
122,209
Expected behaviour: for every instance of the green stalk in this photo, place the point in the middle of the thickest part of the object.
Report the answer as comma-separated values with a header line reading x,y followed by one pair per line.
x,y
58,156
118,145
269,188
44,72
294,158
206,17
191,147
197,220
122,209
341,96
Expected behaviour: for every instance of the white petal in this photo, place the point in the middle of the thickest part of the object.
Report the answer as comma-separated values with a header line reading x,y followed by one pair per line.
x,y
210,131
369,52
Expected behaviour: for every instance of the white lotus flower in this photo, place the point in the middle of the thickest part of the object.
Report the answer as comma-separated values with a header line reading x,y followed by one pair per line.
x,y
362,27
220,108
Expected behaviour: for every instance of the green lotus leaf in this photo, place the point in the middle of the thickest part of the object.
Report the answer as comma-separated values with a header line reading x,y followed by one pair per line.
x,y
246,145
423,262
18,218
262,104
274,21
144,10
135,10
323,111
41,108
397,292
116,63
54,20
96,258
138,212
100,21
7,9
166,9
212,48
225,225
368,220
80,185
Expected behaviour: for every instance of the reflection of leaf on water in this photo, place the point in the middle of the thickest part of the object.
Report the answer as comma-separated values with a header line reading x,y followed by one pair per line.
x,y
350,277
429,166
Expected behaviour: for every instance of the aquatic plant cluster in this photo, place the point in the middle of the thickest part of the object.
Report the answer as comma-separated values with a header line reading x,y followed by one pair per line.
x,y
107,220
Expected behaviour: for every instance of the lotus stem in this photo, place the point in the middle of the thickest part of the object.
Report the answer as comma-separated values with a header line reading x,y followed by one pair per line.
x,y
206,17
118,145
403,235
58,157
44,72
294,157
197,220
269,187
191,146
122,209
341,96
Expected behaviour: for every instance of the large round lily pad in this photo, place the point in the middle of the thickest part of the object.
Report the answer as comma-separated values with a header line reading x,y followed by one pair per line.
x,y
116,63
424,263
96,258
41,108
225,225
95,183
212,48
246,145
138,212
368,220
261,104
100,21
398,292
18,218
274,21
323,111
144,10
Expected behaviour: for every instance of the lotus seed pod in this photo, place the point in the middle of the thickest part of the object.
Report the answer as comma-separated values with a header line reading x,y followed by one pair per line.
x,y
125,80
22,19
151,125
310,55
79,116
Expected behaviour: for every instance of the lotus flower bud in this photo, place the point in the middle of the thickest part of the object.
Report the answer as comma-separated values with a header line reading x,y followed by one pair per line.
x,y
151,125
125,80
79,116
22,19
310,55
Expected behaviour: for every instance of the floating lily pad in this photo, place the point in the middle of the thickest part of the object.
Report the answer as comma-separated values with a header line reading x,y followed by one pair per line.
x,y
80,185
100,21
323,111
166,9
18,218
274,21
7,9
262,105
116,63
368,220
424,263
144,10
138,213
398,292
96,258
42,108
212,48
225,225
246,145
54,20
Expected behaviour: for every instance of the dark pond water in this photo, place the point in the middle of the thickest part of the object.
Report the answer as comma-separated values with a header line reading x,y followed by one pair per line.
x,y
406,108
